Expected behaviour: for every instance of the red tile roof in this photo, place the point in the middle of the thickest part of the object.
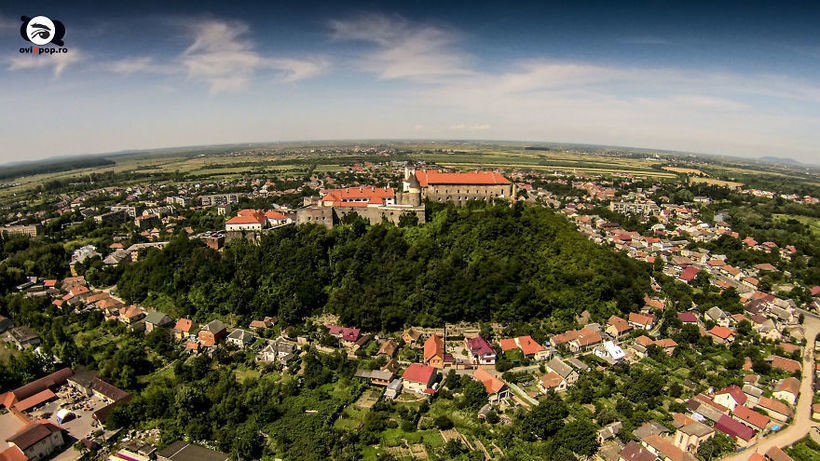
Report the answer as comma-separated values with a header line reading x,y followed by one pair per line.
x,y
786,364
491,383
721,332
774,405
418,373
751,417
529,346
34,400
183,325
735,392
246,220
689,273
508,344
427,177
433,347
687,317
12,454
733,428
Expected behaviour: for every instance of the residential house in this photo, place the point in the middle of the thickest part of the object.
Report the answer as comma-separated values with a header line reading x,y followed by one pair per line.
x,y
777,454
393,389
665,450
213,332
411,337
788,365
775,408
617,326
183,451
753,394
278,350
643,321
349,336
787,390
721,335
184,328
609,432
609,352
688,318
132,314
552,381
633,451
434,351
585,340
567,374
263,324
480,350
730,397
388,348
376,377
742,434
419,378
650,428
715,314
751,418
241,338
155,320
496,389
691,434
527,345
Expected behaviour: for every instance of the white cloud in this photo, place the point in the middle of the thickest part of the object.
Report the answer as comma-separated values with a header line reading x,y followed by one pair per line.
x,y
222,56
402,49
57,62
475,127
144,64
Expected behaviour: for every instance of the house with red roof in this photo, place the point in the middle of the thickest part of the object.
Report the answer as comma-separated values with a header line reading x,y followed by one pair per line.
x,y
721,335
349,336
419,378
775,408
688,318
644,321
480,350
741,433
528,346
496,389
787,390
688,274
789,365
751,418
434,351
730,397
617,326
586,340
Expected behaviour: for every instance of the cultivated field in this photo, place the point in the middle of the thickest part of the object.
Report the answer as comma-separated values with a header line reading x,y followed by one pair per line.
x,y
716,182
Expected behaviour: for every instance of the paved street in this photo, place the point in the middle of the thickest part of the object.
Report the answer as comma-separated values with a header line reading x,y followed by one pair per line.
x,y
801,423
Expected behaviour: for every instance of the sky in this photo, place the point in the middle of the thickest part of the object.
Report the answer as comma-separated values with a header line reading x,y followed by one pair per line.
x,y
729,78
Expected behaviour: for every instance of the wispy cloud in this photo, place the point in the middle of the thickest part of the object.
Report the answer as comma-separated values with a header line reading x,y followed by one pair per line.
x,y
475,127
222,56
403,49
57,62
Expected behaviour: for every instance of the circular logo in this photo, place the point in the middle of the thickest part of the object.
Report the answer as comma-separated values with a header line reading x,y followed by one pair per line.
x,y
40,30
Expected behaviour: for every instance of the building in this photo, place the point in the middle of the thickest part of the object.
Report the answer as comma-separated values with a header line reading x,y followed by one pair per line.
x,y
411,337
787,390
376,377
157,320
219,199
23,337
31,230
527,345
633,451
457,188
53,380
419,378
496,389
643,208
183,451
617,326
774,408
241,338
37,440
212,333
184,328
278,350
689,436
741,433
751,418
730,397
480,350
374,204
434,351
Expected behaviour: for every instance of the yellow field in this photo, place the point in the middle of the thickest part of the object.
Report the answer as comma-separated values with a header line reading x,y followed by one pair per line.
x,y
716,182
682,170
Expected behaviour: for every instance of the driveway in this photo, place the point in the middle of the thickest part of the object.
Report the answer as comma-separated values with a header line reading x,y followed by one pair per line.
x,y
801,423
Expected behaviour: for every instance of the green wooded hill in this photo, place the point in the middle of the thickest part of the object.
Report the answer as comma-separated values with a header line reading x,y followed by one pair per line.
x,y
480,263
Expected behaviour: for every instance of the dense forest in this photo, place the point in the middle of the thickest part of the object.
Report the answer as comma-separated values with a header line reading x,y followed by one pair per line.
x,y
476,264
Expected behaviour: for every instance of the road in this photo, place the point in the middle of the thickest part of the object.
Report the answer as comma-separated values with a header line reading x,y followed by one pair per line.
x,y
801,423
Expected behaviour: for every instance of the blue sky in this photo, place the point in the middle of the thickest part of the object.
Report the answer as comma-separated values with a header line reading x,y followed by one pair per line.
x,y
736,78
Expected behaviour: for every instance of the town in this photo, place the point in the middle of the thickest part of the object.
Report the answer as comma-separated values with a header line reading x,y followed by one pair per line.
x,y
706,350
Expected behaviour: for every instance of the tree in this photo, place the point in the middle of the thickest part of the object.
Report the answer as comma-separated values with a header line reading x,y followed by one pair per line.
x,y
715,447
475,395
546,418
579,436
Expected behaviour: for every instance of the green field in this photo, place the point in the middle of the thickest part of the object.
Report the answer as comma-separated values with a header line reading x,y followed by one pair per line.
x,y
813,223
